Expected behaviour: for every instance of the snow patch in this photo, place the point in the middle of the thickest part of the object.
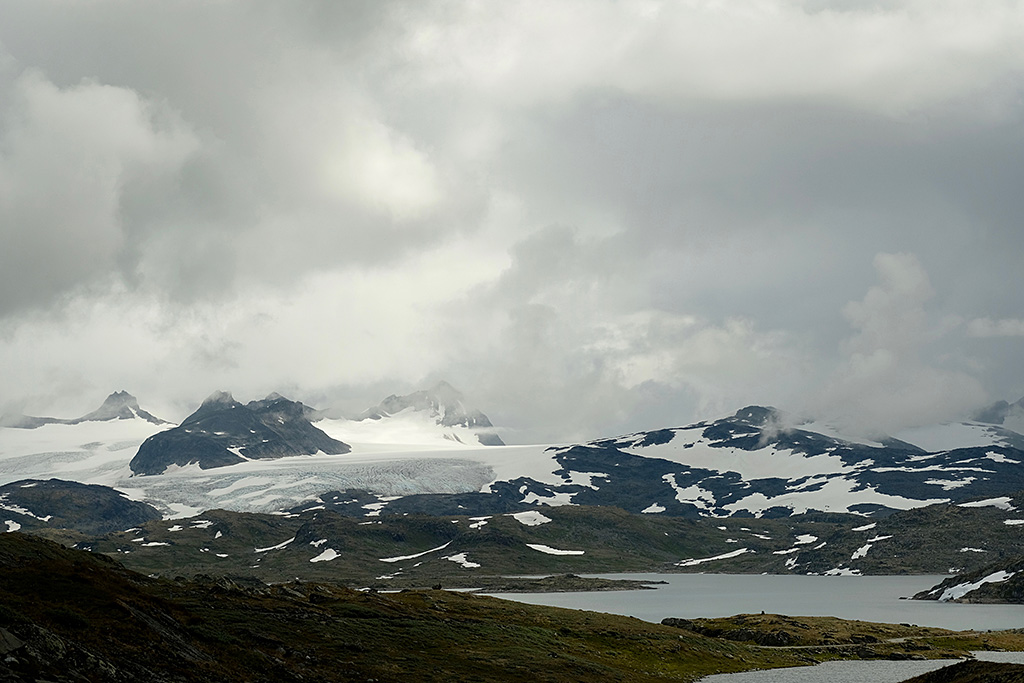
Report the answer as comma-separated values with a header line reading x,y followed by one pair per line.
x,y
530,518
553,551
950,484
326,556
725,556
12,525
960,590
399,558
694,495
553,500
461,559
861,552
1003,503
653,508
274,547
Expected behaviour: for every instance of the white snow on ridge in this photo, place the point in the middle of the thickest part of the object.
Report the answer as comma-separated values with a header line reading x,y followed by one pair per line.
x,y
12,525
861,552
837,495
553,551
11,507
274,547
725,556
556,499
529,518
408,427
399,558
700,498
653,508
950,484
461,559
1003,503
960,590
947,437
838,433
760,464
585,479
326,556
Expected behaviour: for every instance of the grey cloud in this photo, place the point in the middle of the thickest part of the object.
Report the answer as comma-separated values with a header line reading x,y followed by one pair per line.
x,y
375,183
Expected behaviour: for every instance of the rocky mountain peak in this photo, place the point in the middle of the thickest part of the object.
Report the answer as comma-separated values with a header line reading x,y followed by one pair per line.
x,y
444,403
119,405
224,432
222,398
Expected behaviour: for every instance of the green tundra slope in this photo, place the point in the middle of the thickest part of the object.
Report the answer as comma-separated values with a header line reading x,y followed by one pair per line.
x,y
68,615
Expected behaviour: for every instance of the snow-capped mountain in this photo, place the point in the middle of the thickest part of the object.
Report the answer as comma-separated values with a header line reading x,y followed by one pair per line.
x,y
224,432
422,413
751,464
119,405
266,456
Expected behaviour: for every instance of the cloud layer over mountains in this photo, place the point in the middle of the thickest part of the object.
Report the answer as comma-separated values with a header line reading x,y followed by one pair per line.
x,y
589,216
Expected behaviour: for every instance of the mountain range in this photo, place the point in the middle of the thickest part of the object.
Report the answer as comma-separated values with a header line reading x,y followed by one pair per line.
x,y
931,499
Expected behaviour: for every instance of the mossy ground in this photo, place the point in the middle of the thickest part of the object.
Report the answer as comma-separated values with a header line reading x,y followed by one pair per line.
x,y
81,615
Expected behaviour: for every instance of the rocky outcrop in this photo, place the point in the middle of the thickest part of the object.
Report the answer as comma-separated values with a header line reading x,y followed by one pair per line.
x,y
32,504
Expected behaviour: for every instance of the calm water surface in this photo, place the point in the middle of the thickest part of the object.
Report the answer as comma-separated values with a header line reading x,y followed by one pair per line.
x,y
868,598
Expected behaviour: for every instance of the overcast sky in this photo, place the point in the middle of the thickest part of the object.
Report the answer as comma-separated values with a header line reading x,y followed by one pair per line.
x,y
591,216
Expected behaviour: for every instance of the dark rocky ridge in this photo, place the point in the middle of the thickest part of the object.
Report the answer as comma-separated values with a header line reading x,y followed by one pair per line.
x,y
55,504
973,672
1007,591
224,432
631,478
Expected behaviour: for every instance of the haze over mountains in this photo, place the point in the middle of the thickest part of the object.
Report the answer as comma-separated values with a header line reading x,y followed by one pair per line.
x,y
425,452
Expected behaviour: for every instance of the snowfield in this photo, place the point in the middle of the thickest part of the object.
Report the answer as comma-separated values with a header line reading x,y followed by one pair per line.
x,y
409,453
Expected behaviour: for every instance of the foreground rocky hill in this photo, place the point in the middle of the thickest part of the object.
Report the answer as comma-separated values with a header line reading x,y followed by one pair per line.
x,y
72,616
69,615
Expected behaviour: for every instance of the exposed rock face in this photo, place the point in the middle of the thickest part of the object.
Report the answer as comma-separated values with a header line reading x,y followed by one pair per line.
x,y
998,412
120,405
443,402
998,582
224,432
57,504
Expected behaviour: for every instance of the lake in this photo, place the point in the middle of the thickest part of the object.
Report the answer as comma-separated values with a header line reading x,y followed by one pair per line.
x,y
867,598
